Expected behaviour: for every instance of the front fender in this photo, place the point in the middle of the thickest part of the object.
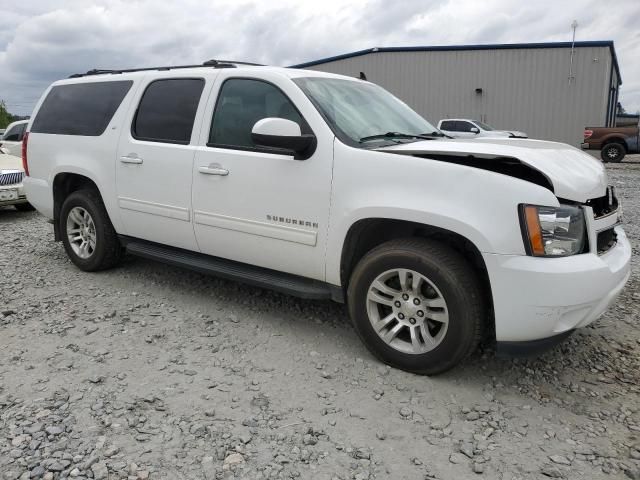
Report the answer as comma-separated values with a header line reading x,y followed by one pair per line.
x,y
480,205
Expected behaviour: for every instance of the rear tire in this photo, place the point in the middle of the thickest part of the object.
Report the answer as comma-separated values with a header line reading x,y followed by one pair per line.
x,y
87,233
430,324
613,152
24,207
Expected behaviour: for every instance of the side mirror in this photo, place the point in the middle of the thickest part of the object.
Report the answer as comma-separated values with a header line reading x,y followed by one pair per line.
x,y
284,134
475,130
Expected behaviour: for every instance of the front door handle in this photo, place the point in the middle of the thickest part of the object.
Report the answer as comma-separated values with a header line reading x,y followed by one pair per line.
x,y
213,169
134,160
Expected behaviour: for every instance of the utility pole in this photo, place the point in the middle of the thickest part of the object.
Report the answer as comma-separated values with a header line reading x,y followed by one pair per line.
x,y
574,26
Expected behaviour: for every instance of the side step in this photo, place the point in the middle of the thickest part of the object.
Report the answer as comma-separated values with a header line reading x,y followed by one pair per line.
x,y
241,272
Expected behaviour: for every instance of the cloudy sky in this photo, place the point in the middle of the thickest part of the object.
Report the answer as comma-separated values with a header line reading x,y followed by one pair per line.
x,y
44,40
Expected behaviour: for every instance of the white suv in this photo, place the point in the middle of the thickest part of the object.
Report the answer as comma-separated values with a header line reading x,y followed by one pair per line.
x,y
325,186
465,128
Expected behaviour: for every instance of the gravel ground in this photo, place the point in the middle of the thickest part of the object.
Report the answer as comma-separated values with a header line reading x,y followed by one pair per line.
x,y
148,371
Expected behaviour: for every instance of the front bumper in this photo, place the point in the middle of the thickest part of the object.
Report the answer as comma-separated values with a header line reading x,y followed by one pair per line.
x,y
538,298
22,198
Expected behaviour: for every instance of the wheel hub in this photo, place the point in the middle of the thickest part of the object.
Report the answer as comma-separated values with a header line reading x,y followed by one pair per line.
x,y
409,311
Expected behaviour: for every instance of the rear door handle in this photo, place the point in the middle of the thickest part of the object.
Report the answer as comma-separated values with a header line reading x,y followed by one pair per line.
x,y
213,169
134,160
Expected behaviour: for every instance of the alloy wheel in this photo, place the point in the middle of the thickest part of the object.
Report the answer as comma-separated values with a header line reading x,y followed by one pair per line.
x,y
407,311
612,153
81,232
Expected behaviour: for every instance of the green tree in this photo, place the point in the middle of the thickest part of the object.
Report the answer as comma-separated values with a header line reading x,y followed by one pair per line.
x,y
5,117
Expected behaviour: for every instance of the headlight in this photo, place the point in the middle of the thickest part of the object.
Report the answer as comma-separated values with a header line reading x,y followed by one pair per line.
x,y
553,232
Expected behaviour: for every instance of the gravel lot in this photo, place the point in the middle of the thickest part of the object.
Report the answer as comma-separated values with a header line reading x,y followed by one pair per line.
x,y
148,371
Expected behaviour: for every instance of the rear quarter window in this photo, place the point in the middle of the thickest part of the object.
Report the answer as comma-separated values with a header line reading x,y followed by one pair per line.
x,y
81,108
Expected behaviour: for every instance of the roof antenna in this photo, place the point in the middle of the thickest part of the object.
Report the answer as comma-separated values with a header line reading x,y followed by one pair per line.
x,y
362,76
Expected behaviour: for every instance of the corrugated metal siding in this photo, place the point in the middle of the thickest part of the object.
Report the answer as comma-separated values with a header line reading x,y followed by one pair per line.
x,y
522,89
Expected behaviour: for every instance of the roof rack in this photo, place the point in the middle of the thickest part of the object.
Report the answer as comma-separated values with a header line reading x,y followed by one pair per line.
x,y
208,63
233,62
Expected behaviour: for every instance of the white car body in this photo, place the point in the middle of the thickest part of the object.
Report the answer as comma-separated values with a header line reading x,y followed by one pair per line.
x,y
11,176
275,212
11,140
467,128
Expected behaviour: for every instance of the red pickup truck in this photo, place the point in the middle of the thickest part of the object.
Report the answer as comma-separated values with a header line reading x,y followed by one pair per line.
x,y
613,142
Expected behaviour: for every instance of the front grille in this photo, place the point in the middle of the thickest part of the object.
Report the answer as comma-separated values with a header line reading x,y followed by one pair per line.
x,y
606,240
11,178
606,205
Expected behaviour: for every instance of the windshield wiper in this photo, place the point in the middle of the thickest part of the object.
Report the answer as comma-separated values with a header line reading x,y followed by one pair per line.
x,y
435,133
391,135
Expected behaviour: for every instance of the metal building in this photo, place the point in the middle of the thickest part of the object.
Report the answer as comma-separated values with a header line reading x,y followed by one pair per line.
x,y
550,91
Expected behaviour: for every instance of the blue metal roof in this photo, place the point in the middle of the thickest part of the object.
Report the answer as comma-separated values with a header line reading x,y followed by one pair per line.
x,y
450,48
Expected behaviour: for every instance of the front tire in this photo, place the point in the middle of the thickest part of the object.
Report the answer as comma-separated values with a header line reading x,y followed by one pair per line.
x,y
87,233
613,152
417,305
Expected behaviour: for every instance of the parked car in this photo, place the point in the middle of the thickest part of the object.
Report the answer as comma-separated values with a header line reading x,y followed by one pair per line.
x,y
613,142
465,128
326,186
12,138
2,130
11,188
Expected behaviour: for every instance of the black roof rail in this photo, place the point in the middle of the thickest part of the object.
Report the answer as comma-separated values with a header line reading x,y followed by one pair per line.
x,y
234,62
208,63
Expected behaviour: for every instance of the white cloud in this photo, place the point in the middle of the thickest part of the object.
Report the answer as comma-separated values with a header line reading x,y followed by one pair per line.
x,y
46,40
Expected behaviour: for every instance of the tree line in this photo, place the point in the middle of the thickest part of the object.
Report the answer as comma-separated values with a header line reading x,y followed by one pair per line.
x,y
5,117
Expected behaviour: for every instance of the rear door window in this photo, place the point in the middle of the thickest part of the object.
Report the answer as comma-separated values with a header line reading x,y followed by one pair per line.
x,y
448,125
80,108
167,110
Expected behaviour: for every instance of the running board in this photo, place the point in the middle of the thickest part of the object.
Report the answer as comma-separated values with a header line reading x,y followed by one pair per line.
x,y
250,274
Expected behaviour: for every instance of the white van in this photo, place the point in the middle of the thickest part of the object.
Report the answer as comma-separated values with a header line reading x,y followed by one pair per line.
x,y
325,186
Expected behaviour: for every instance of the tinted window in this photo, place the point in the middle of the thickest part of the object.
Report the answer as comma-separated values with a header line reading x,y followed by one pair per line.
x,y
80,108
15,134
167,110
464,126
241,103
448,125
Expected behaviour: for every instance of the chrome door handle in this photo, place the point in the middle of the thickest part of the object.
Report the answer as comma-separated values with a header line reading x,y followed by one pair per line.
x,y
213,169
134,160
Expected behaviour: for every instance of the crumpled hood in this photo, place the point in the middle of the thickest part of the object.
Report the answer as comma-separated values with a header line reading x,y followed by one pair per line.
x,y
10,162
575,175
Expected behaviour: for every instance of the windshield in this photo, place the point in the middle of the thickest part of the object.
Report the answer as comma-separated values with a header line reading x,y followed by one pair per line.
x,y
484,126
356,110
